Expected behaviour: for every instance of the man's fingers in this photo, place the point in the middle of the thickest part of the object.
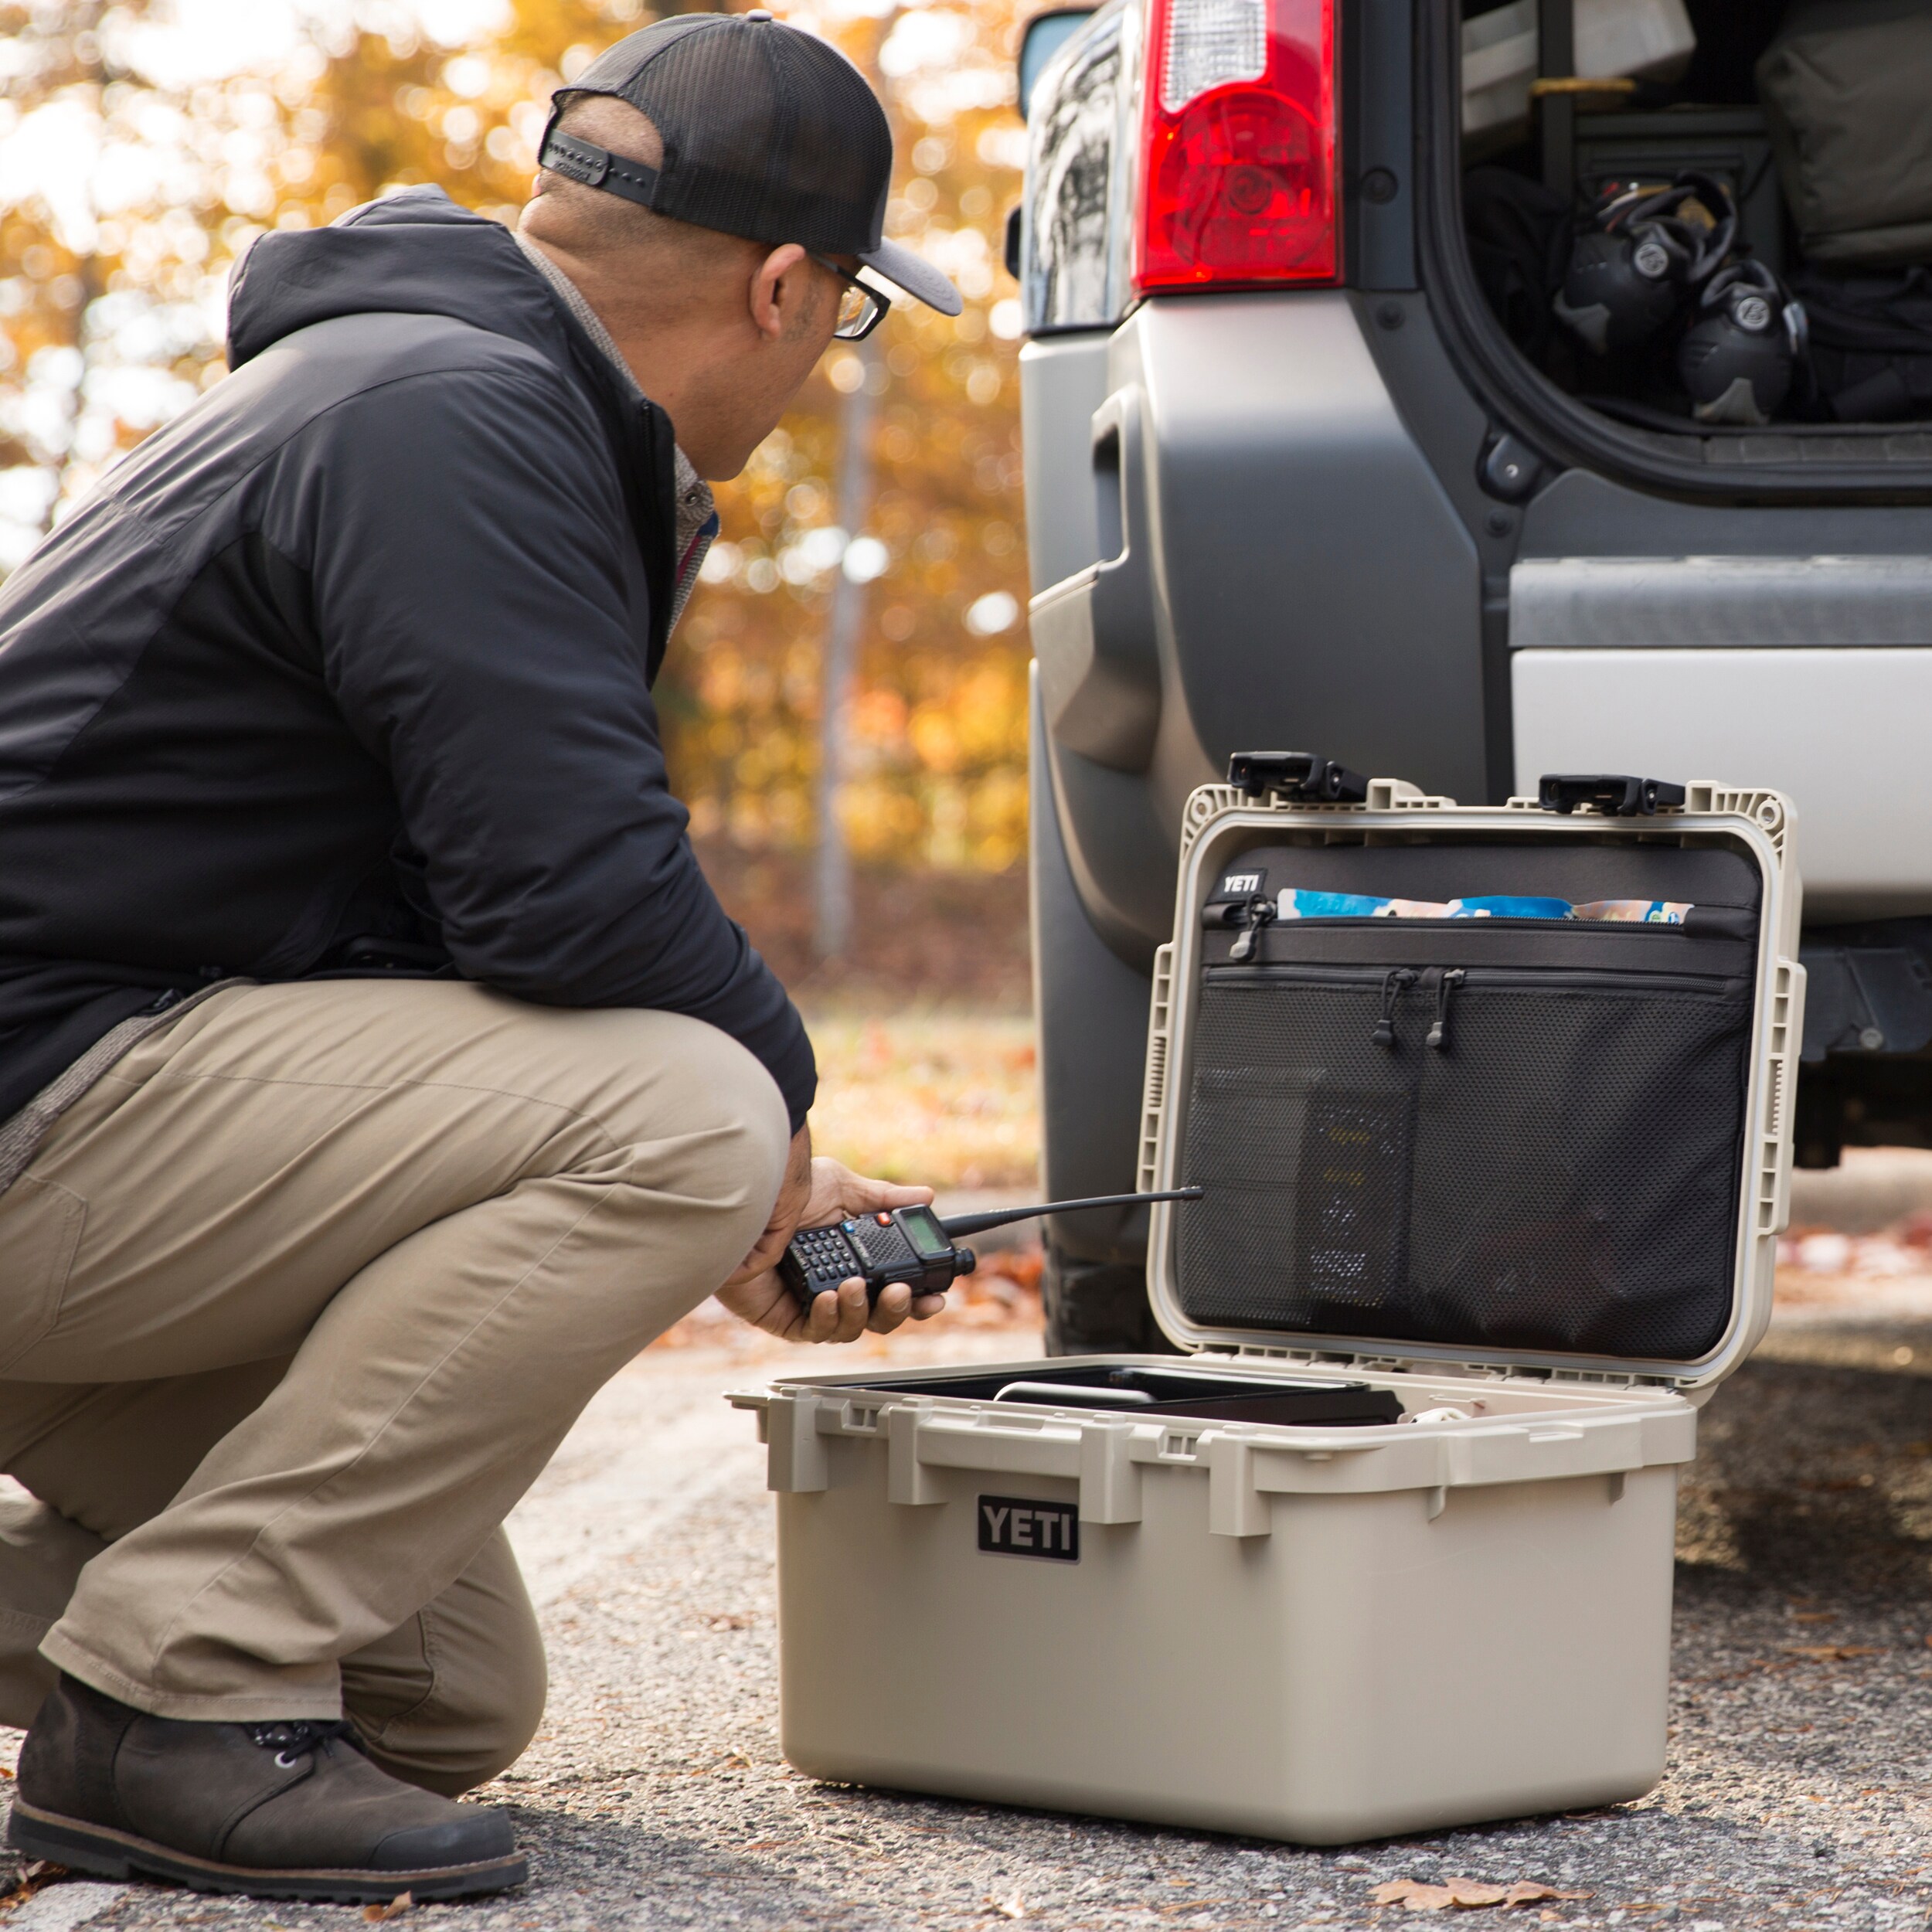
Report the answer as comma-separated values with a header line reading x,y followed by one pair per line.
x,y
834,1316
839,1317
822,1321
862,1193
846,1314
899,1304
894,1304
855,1310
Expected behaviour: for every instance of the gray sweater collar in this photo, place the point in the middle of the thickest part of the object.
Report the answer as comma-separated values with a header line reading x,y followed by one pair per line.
x,y
695,506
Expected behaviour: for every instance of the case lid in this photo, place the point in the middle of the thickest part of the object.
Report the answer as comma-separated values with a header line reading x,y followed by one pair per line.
x,y
1557,1147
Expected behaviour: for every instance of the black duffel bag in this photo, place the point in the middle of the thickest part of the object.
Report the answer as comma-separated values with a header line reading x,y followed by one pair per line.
x,y
1871,337
1519,234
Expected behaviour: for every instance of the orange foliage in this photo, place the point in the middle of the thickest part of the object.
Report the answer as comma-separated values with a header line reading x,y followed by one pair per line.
x,y
106,320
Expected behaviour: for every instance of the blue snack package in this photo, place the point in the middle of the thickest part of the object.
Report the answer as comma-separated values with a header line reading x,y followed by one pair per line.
x,y
1635,912
1506,905
1295,903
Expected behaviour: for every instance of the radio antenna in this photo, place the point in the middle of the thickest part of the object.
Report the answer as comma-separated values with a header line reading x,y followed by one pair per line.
x,y
977,1223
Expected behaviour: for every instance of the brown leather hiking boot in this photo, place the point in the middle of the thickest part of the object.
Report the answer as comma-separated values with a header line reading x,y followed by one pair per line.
x,y
283,1811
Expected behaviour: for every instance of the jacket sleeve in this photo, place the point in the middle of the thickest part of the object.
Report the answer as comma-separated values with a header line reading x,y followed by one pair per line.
x,y
478,609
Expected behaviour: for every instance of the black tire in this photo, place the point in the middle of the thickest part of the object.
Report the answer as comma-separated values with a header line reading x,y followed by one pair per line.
x,y
1098,1307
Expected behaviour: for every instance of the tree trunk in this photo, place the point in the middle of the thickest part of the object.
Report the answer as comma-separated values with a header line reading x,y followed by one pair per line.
x,y
833,922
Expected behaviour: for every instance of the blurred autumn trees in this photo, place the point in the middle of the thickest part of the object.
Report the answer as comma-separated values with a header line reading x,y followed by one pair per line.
x,y
142,144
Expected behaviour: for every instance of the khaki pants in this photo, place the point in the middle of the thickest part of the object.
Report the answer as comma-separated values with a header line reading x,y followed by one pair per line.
x,y
295,1305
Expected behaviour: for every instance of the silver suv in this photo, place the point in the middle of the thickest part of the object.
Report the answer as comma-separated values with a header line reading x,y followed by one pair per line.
x,y
1290,483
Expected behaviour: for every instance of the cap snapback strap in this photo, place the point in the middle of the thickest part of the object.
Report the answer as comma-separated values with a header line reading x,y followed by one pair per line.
x,y
595,167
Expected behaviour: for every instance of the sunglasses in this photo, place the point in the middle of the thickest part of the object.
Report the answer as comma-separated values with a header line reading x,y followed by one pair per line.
x,y
861,308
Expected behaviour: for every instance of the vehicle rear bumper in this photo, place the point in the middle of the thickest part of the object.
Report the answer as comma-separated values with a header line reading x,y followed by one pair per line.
x,y
1813,675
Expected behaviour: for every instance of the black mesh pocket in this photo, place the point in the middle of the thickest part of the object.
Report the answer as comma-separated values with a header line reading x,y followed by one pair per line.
x,y
1578,1167
1559,1172
1300,1129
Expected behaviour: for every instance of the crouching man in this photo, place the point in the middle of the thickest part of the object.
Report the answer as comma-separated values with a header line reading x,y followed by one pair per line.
x,y
378,1073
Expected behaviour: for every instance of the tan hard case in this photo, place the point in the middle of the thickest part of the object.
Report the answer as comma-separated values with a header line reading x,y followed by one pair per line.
x,y
1313,1634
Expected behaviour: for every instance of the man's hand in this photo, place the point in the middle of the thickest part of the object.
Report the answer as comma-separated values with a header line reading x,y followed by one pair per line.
x,y
794,1191
815,1193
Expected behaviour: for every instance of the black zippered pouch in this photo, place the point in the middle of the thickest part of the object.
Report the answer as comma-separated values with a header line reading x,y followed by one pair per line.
x,y
1519,1133
1137,1392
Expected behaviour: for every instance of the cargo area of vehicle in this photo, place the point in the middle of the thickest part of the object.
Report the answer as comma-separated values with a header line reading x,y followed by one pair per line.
x,y
1710,219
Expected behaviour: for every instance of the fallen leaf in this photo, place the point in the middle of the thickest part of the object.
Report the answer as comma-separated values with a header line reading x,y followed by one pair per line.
x,y
1814,1616
1464,1895
36,1873
729,1619
1417,1896
1834,1653
381,1914
1012,1908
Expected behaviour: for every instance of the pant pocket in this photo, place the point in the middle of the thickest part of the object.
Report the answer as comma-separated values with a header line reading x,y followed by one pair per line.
x,y
40,1227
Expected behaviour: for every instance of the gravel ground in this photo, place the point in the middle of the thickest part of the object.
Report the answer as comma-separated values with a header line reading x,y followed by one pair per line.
x,y
1796,1797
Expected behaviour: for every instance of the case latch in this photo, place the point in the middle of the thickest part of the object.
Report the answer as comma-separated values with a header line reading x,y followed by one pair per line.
x,y
1301,774
1609,795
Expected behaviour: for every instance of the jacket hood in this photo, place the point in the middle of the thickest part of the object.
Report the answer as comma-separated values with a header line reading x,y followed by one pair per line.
x,y
416,253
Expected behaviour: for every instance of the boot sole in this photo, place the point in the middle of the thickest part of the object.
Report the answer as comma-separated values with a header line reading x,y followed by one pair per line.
x,y
102,1853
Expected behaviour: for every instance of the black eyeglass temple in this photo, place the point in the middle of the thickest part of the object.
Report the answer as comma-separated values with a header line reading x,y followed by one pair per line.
x,y
880,301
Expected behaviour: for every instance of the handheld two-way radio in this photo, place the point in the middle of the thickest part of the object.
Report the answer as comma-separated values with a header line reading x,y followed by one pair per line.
x,y
914,1245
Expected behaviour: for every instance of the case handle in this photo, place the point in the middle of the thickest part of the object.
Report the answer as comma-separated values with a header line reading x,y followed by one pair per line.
x,y
1096,1454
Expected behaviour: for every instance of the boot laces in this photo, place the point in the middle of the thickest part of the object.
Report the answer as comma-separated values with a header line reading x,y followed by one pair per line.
x,y
292,1739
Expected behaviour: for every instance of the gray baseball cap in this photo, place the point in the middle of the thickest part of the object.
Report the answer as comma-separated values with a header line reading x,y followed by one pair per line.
x,y
768,132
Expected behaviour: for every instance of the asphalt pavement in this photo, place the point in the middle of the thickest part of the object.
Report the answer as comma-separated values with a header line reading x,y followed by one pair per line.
x,y
1796,1795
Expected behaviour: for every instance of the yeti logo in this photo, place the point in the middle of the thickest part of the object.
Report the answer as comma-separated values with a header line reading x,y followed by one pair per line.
x,y
1241,885
1020,1526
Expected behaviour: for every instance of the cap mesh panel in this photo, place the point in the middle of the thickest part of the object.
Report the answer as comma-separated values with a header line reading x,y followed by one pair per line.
x,y
768,132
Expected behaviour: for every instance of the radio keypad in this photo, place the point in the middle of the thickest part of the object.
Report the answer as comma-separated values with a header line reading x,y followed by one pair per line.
x,y
826,1254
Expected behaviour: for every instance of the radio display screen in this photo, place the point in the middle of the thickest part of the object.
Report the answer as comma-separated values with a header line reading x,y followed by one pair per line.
x,y
922,1229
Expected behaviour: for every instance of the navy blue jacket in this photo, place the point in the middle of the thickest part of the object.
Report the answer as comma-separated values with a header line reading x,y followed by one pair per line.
x,y
349,670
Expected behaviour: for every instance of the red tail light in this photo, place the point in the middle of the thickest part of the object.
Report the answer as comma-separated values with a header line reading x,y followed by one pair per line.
x,y
1238,183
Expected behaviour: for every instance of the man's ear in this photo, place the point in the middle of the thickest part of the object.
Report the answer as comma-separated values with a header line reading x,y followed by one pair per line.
x,y
779,289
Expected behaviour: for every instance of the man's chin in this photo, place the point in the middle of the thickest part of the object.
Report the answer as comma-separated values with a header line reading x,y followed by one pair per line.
x,y
729,467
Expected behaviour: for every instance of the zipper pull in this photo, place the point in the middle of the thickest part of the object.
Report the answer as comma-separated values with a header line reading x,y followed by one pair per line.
x,y
1446,986
1259,911
1393,986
